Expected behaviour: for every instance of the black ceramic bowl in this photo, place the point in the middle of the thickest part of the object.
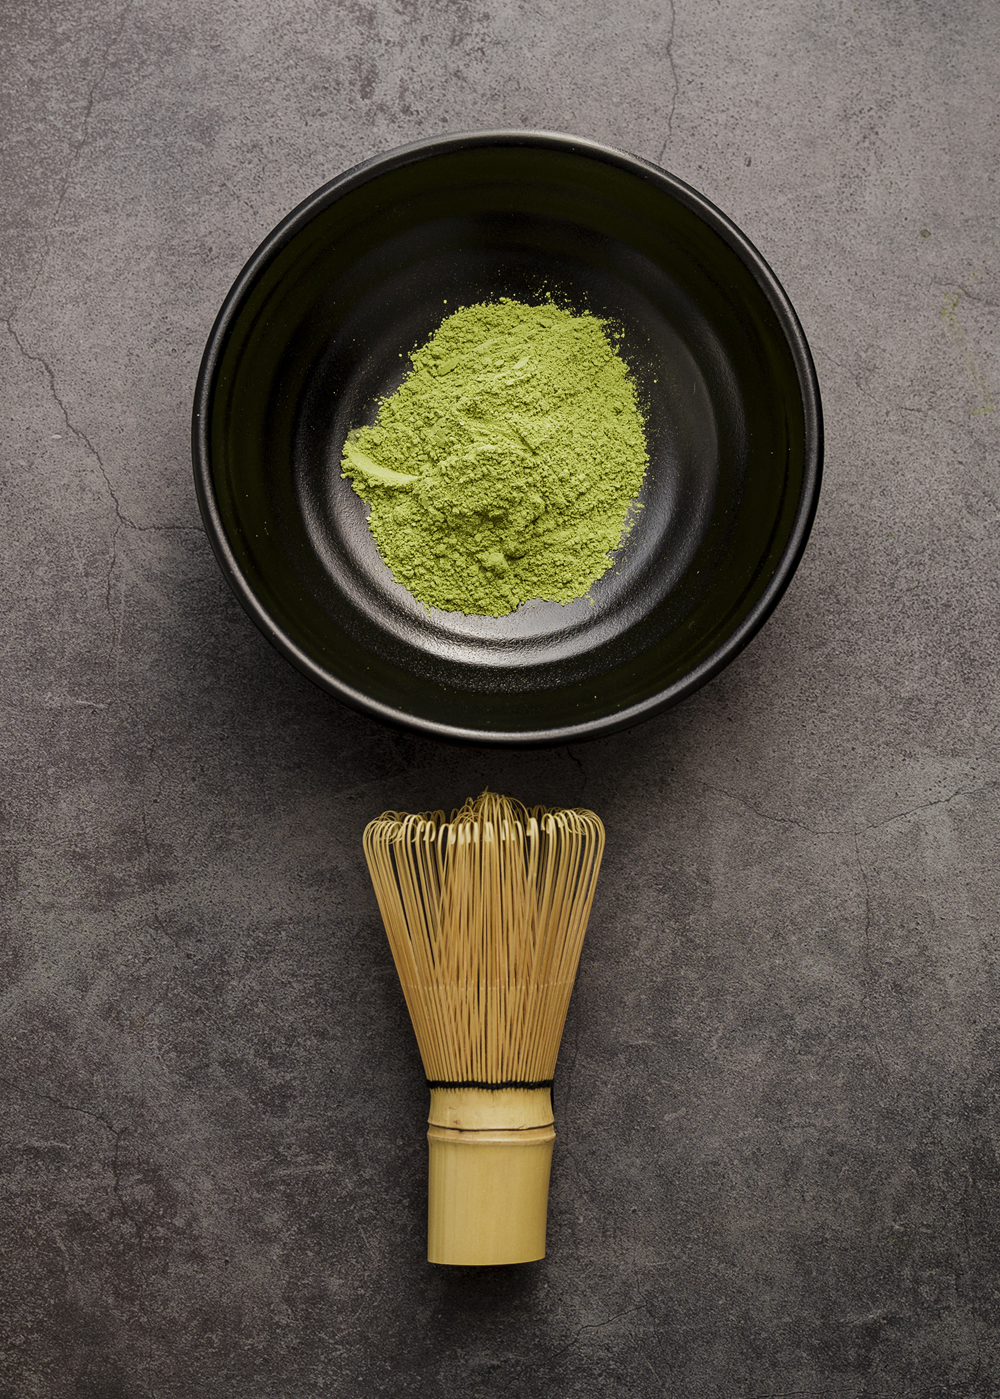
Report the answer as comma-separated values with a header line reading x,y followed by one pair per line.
x,y
317,330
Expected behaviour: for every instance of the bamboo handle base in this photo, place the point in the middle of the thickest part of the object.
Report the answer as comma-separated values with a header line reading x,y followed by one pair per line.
x,y
489,1158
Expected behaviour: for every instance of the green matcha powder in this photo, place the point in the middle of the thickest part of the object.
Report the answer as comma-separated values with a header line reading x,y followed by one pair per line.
x,y
505,465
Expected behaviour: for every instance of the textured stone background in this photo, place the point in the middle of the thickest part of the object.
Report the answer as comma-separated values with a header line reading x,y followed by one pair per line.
x,y
777,1170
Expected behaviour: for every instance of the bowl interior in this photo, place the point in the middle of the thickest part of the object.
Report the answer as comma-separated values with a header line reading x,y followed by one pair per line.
x,y
319,329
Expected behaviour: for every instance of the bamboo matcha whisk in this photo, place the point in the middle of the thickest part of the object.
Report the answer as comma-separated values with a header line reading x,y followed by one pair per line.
x,y
485,915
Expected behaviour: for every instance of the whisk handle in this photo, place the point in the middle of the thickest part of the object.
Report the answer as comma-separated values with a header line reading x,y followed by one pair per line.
x,y
490,1156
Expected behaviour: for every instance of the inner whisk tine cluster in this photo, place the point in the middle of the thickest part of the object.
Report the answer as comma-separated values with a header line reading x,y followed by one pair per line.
x,y
485,916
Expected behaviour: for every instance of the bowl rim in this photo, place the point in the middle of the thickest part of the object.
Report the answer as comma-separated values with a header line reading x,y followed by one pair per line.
x,y
675,188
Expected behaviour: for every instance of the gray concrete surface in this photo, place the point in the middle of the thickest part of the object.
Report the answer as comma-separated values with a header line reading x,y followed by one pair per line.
x,y
777,1170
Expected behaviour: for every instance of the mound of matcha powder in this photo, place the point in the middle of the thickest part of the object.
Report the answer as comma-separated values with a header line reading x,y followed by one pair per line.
x,y
504,466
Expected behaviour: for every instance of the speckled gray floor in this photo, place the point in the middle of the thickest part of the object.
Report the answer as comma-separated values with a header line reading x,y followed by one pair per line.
x,y
777,1167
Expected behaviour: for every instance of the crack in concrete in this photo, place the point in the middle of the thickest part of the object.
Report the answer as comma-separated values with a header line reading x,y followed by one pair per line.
x,y
864,881
117,1133
70,425
853,830
968,290
769,816
855,833
57,1102
854,378
674,79
75,147
115,631
579,762
596,1326
921,410
122,521
927,806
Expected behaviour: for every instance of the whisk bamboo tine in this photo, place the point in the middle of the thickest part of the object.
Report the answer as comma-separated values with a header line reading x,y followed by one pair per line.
x,y
485,915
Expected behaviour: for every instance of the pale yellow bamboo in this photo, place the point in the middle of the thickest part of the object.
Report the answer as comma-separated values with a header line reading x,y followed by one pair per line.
x,y
485,916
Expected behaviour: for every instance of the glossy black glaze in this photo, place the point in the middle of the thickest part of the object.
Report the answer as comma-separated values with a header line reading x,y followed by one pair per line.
x,y
318,328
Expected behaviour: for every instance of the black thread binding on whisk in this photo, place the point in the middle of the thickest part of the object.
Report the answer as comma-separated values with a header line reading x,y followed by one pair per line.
x,y
477,1083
